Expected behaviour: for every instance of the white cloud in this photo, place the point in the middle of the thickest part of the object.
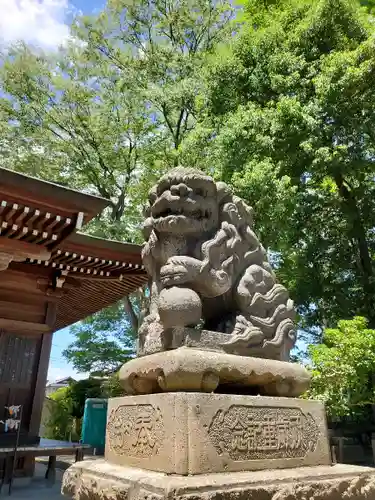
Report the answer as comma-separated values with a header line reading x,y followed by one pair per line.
x,y
40,22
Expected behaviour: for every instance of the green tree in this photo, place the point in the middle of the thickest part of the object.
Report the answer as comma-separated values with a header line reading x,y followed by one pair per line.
x,y
79,391
342,369
103,342
160,46
287,117
59,424
68,122
111,386
107,115
67,405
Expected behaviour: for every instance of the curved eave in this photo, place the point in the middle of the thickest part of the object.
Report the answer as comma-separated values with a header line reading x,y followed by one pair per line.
x,y
84,244
92,295
47,196
83,255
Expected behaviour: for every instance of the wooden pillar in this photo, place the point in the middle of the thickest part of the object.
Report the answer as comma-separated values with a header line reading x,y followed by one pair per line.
x,y
40,386
42,371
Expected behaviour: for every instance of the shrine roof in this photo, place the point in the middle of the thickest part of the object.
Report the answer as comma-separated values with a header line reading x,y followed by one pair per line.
x,y
80,273
47,196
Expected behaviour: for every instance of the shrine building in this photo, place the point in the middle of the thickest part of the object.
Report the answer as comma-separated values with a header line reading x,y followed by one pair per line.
x,y
51,276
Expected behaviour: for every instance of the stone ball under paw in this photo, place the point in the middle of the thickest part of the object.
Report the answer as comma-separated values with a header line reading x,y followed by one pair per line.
x,y
179,307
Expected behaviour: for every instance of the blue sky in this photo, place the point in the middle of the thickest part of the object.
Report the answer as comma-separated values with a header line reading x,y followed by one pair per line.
x,y
44,22
58,366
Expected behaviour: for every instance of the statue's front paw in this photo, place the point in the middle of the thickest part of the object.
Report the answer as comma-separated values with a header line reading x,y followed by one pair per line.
x,y
173,274
180,270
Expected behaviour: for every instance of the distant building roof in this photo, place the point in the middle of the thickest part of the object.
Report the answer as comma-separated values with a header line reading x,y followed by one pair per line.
x,y
61,381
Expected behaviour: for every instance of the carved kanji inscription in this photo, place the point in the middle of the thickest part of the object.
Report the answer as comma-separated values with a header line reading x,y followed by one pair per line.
x,y
257,433
135,430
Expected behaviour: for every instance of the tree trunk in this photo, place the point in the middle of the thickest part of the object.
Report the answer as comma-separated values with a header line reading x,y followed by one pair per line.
x,y
131,313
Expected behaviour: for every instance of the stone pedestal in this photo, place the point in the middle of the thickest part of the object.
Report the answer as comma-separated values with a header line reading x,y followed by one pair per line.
x,y
199,446
203,370
197,433
101,480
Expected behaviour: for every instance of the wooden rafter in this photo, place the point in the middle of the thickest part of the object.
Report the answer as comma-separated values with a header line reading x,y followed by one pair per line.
x,y
43,255
20,222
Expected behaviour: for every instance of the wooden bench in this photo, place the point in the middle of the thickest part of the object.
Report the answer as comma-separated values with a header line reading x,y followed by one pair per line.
x,y
46,448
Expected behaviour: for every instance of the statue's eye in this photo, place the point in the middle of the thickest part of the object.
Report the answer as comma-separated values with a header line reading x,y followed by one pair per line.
x,y
199,192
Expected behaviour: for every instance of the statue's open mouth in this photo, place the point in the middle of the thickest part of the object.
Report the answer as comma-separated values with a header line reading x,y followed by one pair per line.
x,y
194,214
169,210
185,214
175,205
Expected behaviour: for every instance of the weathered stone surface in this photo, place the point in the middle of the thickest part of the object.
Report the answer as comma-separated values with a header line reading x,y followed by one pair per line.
x,y
197,433
179,304
190,369
208,267
99,480
184,336
219,324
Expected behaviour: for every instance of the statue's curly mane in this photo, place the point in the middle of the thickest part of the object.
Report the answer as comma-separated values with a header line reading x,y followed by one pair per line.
x,y
234,240
225,260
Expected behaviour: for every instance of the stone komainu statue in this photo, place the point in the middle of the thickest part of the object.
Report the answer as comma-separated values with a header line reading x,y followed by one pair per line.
x,y
208,269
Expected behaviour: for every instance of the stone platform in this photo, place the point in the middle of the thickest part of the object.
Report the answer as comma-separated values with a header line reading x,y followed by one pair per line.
x,y
100,480
198,433
203,370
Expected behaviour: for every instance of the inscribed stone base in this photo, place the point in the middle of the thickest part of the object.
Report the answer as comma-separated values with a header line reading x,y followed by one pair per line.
x,y
199,433
99,480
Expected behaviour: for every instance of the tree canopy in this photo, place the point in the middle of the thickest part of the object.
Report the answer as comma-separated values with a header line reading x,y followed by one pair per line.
x,y
287,118
275,97
103,342
108,112
343,368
